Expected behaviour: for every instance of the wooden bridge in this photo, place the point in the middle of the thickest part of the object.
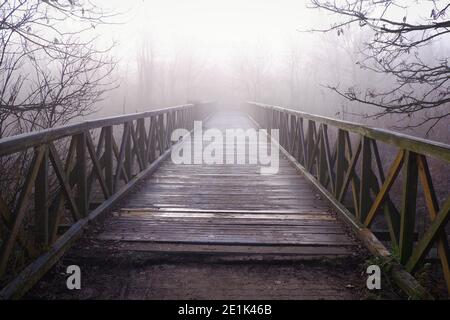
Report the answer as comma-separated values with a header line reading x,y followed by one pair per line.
x,y
338,187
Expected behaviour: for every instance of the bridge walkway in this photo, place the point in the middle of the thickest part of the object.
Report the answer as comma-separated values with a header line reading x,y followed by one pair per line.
x,y
217,231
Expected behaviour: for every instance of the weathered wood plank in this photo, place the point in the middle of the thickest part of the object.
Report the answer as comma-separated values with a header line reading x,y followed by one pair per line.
x,y
427,147
21,208
27,140
433,209
382,195
408,213
41,196
229,205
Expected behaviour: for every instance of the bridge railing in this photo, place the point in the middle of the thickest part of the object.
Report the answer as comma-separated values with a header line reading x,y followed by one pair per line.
x,y
349,161
54,181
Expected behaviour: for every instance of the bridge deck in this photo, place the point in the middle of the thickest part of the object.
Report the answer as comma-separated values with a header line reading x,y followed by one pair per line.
x,y
227,208
215,232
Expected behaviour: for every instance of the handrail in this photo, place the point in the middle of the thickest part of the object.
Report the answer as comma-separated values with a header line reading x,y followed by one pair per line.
x,y
59,182
18,142
428,147
354,180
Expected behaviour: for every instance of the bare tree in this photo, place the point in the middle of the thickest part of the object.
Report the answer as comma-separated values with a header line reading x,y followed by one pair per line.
x,y
146,71
51,69
399,47
252,70
294,64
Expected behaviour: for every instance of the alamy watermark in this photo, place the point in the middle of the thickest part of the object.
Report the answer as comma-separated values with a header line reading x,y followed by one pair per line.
x,y
74,279
374,279
207,147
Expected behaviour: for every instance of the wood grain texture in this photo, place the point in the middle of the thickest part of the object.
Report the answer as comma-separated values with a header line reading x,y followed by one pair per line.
x,y
222,208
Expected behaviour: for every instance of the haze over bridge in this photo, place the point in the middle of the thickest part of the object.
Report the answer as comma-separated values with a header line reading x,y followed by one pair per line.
x,y
333,185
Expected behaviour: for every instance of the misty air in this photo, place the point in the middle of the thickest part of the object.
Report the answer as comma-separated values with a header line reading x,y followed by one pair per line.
x,y
233,152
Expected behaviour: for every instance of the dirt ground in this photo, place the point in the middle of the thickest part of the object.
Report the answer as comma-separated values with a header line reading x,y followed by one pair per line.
x,y
179,277
108,273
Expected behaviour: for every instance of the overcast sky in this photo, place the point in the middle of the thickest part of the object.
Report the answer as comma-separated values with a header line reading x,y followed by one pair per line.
x,y
215,27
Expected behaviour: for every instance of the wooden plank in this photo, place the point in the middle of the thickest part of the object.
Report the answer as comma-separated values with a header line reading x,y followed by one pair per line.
x,y
314,144
235,239
81,175
63,181
142,135
23,141
391,213
6,218
408,212
340,162
137,223
350,172
97,165
151,140
312,251
328,159
382,195
257,217
58,205
108,158
96,168
278,220
20,211
422,146
121,158
128,161
41,202
302,149
427,240
366,169
433,209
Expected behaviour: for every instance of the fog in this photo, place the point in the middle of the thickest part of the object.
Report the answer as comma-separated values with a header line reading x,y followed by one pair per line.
x,y
169,52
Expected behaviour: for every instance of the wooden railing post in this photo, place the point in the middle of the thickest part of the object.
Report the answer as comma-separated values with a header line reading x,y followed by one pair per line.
x,y
151,140
41,196
340,162
108,159
310,144
408,211
128,155
321,156
21,209
166,128
366,176
81,174
302,147
160,133
141,141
